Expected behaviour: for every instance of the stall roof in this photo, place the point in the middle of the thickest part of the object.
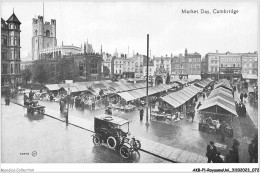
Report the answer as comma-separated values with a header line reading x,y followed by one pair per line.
x,y
64,85
53,87
126,96
195,77
219,102
135,94
82,87
221,90
99,85
171,101
141,92
249,76
72,89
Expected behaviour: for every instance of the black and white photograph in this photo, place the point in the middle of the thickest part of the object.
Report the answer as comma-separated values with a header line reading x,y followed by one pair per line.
x,y
164,85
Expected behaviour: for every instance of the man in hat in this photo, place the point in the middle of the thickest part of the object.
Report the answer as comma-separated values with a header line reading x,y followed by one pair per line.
x,y
211,152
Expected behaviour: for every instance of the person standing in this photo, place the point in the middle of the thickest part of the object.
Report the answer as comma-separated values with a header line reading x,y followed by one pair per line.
x,y
25,98
233,93
141,114
253,151
72,102
31,95
192,114
234,155
62,104
241,97
211,152
203,96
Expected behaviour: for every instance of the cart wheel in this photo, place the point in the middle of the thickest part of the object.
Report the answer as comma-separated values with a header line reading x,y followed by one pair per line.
x,y
42,111
96,140
125,152
137,145
111,142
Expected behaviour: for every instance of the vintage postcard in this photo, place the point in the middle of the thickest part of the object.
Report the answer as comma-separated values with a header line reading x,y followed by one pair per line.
x,y
170,84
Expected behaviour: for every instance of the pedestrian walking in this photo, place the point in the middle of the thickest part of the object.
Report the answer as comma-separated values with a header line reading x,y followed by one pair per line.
x,y
31,95
234,155
192,114
62,105
203,96
253,151
243,110
233,93
241,97
199,105
245,96
141,114
25,99
72,102
211,152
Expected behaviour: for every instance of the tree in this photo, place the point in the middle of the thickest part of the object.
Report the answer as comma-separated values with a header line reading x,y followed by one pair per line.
x,y
106,71
26,74
65,71
41,74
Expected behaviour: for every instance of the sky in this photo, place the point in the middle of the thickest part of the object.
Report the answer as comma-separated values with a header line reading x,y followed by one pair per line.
x,y
119,25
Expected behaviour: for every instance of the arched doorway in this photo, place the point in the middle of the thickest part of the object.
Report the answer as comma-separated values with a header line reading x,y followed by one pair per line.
x,y
158,80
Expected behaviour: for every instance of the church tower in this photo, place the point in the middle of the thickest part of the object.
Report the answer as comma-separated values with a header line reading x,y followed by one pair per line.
x,y
43,35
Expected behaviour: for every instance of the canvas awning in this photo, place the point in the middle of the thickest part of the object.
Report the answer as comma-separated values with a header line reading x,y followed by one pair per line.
x,y
219,102
249,76
53,87
126,96
171,101
72,89
195,77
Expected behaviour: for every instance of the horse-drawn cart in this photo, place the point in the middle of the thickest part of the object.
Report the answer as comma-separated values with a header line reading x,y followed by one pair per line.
x,y
34,106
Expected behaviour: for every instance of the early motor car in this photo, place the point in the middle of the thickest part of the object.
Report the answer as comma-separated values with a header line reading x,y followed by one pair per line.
x,y
114,132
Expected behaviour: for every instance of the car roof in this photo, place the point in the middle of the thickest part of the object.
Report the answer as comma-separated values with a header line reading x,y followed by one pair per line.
x,y
114,120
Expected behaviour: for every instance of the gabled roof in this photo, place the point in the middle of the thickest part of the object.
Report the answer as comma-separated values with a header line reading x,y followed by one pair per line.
x,y
13,19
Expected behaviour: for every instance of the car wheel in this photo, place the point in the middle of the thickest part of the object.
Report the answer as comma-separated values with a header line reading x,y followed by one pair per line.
x,y
96,140
111,142
124,152
137,145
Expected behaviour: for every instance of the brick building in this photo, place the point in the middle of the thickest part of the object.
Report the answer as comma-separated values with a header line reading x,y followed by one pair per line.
x,y
10,52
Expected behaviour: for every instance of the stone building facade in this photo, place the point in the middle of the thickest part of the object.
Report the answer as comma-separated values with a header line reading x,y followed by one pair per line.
x,y
10,52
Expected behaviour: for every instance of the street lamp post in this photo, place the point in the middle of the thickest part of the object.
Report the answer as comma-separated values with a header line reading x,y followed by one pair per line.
x,y
147,72
68,105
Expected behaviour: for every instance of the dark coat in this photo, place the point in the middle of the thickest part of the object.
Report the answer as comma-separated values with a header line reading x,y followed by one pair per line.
x,y
211,153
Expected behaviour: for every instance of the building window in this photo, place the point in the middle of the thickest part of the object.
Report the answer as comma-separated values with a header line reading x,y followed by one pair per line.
x,y
4,40
234,65
15,55
12,69
47,45
4,55
11,26
93,67
47,33
15,41
4,69
11,40
16,69
36,32
250,71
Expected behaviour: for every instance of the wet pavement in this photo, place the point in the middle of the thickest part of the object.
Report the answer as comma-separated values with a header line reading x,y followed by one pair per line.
x,y
183,134
41,139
